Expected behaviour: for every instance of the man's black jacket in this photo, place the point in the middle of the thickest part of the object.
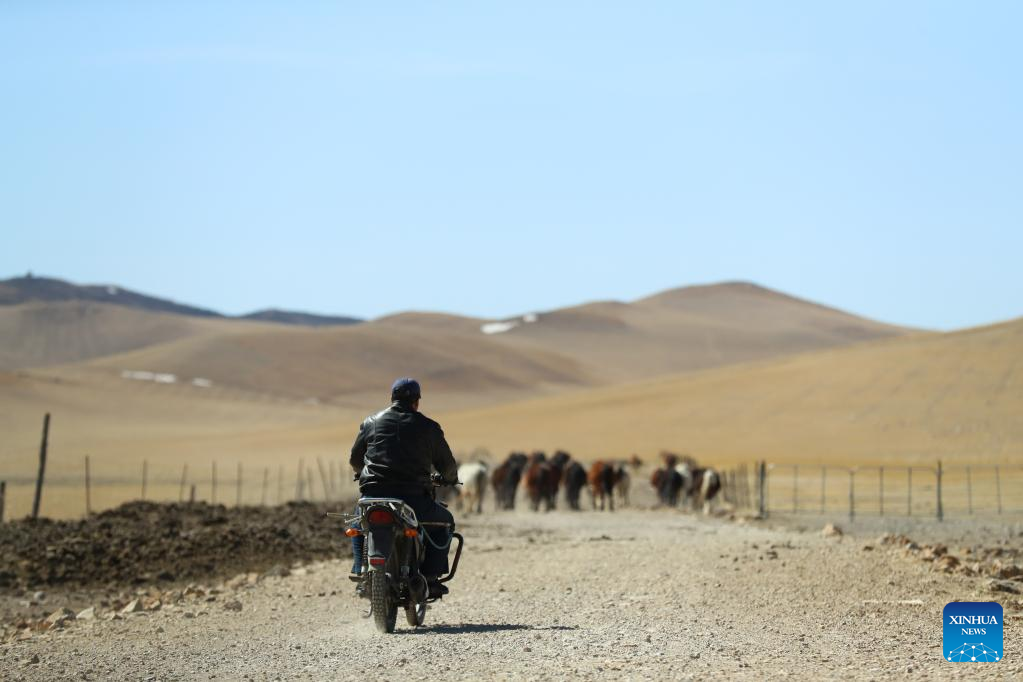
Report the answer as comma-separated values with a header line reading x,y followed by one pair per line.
x,y
396,448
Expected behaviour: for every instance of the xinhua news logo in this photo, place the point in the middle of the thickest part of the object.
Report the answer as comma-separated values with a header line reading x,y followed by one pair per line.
x,y
972,632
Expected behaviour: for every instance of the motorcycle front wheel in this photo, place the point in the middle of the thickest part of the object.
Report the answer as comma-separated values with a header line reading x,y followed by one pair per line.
x,y
385,609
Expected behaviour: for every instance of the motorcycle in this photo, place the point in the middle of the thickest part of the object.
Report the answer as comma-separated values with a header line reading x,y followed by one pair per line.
x,y
394,550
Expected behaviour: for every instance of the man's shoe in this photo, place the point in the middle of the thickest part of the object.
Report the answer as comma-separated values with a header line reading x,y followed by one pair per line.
x,y
361,581
437,590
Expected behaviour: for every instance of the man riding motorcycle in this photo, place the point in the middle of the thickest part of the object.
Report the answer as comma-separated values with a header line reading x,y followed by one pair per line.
x,y
392,457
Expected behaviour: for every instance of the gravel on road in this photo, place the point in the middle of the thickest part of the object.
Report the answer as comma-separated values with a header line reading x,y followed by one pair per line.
x,y
626,595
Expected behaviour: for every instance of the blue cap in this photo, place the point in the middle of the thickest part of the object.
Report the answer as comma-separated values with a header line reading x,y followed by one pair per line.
x,y
405,388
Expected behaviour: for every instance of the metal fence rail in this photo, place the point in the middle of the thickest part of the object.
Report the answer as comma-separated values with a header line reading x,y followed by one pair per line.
x,y
921,491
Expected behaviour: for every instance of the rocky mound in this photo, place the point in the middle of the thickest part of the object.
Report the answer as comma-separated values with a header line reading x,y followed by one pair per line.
x,y
144,542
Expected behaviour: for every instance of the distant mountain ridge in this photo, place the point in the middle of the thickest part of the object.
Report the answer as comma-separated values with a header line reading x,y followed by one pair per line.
x,y
299,318
30,288
473,360
465,360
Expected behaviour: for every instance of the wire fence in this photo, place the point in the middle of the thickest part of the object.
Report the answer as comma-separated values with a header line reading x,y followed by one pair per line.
x,y
93,486
934,491
937,491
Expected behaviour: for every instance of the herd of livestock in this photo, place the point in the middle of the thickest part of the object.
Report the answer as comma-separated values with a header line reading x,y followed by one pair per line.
x,y
679,481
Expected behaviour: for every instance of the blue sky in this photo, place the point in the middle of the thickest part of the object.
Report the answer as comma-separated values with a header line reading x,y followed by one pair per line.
x,y
496,158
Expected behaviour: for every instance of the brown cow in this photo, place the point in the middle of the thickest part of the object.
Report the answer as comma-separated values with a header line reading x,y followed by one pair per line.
x,y
668,483
602,477
541,482
505,480
557,463
574,479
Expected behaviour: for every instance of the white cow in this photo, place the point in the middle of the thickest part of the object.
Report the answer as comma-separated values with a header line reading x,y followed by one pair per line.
x,y
474,477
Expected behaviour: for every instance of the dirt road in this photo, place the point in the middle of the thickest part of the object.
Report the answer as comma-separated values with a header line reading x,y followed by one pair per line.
x,y
631,595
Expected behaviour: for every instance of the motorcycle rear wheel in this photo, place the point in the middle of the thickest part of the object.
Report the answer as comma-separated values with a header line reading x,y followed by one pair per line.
x,y
385,609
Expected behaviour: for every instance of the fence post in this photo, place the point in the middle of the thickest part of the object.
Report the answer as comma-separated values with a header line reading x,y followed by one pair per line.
x,y
746,487
299,481
184,479
880,485
824,479
909,491
998,490
795,488
213,483
3,496
940,511
88,488
191,495
266,480
334,488
969,491
42,467
323,479
145,476
852,494
740,491
238,487
762,488
741,482
309,482
280,484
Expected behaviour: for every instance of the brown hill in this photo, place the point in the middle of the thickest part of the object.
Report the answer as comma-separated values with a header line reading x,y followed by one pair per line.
x,y
958,395
47,333
461,364
693,328
355,365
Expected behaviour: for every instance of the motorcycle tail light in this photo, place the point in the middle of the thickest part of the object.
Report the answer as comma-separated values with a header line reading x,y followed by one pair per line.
x,y
353,532
381,516
411,532
377,561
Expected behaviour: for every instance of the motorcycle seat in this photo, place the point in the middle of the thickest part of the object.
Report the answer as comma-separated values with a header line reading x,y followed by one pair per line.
x,y
405,512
